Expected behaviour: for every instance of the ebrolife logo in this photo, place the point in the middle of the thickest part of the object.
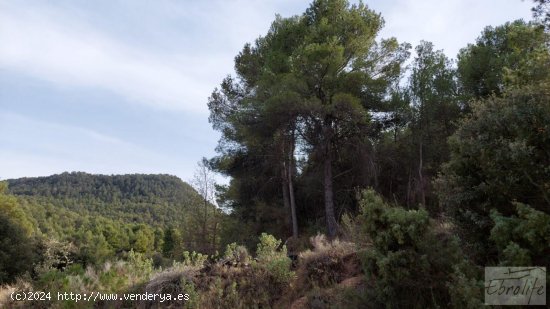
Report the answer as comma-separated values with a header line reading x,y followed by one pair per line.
x,y
515,285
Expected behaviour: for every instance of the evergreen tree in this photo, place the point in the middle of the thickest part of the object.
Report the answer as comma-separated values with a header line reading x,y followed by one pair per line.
x,y
332,71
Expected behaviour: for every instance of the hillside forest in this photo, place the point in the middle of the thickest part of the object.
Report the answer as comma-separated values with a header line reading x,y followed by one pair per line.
x,y
363,173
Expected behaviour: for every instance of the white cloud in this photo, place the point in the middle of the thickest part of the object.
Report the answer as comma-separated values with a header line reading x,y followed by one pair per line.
x,y
449,24
74,55
60,46
167,55
67,47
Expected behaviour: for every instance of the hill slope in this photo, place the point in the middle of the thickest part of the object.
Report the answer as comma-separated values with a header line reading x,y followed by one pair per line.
x,y
94,218
160,200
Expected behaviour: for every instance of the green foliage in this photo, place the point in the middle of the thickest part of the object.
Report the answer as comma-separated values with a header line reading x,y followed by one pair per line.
x,y
194,297
463,287
106,216
70,280
522,239
274,259
194,259
173,243
94,248
54,254
159,200
17,255
236,254
268,248
499,154
10,207
400,227
512,54
139,264
110,277
143,240
308,84
410,264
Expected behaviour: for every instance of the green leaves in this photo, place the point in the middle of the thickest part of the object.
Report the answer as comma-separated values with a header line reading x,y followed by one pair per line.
x,y
511,55
274,259
500,154
308,84
391,227
412,263
522,239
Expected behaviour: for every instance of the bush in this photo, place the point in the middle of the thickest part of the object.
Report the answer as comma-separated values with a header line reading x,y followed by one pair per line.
x,y
227,286
499,154
173,281
232,282
411,264
194,258
111,277
16,254
54,254
236,255
524,239
275,260
138,264
328,263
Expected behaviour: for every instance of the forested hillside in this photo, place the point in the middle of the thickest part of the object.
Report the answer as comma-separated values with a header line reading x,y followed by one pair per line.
x,y
158,200
364,173
88,219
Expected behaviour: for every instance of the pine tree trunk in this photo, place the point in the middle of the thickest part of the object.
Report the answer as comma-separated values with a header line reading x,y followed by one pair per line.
x,y
204,231
214,236
291,190
332,225
205,222
285,186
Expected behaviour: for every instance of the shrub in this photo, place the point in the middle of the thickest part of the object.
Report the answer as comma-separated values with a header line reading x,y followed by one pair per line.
x,y
139,265
223,286
499,154
275,260
411,265
523,239
16,254
20,285
237,255
54,254
194,258
328,263
173,281
238,284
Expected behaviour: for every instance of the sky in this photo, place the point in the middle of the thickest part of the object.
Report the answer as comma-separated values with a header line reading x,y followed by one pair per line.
x,y
120,87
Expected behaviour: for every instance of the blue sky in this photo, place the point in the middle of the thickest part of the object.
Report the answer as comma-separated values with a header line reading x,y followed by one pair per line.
x,y
116,87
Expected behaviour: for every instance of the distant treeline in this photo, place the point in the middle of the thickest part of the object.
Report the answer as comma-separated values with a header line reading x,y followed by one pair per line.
x,y
88,219
108,189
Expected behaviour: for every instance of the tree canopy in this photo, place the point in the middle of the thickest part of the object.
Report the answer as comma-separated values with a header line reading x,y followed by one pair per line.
x,y
307,85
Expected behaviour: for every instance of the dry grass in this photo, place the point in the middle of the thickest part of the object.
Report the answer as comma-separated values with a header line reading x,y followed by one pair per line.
x,y
5,291
171,281
215,285
320,272
328,263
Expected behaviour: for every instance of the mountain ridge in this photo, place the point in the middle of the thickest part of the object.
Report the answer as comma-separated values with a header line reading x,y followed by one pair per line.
x,y
155,199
